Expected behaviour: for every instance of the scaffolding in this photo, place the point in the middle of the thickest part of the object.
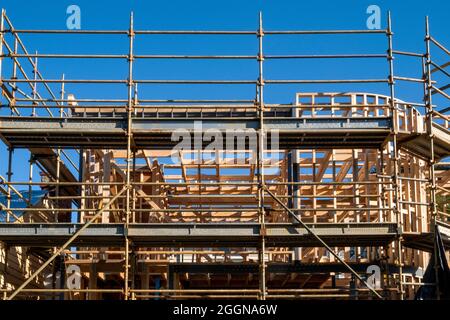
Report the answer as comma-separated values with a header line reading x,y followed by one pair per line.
x,y
352,185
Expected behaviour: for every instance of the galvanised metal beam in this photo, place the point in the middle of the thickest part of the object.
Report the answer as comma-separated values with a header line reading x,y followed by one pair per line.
x,y
198,235
156,133
242,268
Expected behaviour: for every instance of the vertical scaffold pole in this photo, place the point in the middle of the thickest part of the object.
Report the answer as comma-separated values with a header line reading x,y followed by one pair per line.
x,y
431,173
34,93
2,36
9,177
30,177
395,155
10,149
33,113
2,28
58,153
14,77
63,94
260,161
129,154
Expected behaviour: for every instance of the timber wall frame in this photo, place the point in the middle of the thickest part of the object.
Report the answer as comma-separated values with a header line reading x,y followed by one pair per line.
x,y
385,131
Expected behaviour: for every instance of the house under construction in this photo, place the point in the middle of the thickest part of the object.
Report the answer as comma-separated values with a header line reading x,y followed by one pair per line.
x,y
337,195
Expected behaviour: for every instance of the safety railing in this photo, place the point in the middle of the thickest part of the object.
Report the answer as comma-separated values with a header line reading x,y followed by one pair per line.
x,y
69,105
317,202
162,294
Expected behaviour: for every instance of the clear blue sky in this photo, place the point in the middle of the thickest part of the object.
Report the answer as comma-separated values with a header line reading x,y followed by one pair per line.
x,y
408,26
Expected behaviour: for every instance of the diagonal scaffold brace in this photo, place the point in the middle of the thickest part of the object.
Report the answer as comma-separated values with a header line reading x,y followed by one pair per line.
x,y
66,244
322,242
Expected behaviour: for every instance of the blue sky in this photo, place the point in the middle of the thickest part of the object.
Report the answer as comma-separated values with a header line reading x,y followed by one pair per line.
x,y
408,26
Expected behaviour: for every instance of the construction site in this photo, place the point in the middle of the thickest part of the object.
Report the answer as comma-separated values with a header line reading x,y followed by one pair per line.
x,y
334,195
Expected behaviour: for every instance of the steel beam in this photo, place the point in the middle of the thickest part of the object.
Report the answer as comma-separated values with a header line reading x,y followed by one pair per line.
x,y
242,268
198,235
157,133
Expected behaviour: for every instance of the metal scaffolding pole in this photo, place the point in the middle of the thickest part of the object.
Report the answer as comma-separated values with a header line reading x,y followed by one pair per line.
x,y
260,160
58,154
14,76
129,155
34,93
431,162
2,37
9,177
395,155
10,149
31,160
